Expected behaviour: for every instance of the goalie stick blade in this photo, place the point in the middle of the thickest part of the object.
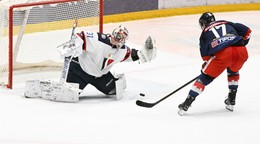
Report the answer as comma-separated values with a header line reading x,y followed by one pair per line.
x,y
144,104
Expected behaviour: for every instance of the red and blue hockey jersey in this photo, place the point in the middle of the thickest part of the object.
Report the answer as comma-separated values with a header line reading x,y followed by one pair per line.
x,y
222,34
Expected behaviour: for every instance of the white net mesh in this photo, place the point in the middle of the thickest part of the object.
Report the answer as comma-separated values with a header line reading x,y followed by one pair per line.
x,y
39,30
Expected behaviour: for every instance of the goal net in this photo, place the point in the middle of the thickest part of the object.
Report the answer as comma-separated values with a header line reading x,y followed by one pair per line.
x,y
30,31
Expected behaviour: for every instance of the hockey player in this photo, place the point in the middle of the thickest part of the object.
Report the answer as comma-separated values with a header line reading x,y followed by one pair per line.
x,y
94,54
222,47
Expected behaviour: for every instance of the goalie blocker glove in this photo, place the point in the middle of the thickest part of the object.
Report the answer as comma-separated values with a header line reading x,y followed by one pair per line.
x,y
148,52
72,47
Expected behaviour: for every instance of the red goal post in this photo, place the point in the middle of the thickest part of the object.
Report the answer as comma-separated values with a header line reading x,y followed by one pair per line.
x,y
34,21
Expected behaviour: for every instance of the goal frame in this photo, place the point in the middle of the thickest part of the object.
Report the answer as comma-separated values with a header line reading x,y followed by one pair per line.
x,y
11,9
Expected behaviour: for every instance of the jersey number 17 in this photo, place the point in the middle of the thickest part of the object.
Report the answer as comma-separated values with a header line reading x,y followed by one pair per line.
x,y
217,28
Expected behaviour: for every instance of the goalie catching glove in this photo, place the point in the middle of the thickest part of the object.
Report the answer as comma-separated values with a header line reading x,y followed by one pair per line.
x,y
71,48
148,52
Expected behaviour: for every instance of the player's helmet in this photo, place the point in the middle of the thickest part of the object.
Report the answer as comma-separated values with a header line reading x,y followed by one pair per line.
x,y
205,19
120,34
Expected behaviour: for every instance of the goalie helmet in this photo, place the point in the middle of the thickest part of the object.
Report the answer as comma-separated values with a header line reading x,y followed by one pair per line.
x,y
205,19
120,35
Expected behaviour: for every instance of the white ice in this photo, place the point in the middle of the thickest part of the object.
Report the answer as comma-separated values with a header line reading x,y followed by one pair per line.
x,y
97,119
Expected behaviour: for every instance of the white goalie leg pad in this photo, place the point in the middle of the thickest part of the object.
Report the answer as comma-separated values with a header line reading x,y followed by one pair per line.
x,y
32,89
63,92
55,91
120,86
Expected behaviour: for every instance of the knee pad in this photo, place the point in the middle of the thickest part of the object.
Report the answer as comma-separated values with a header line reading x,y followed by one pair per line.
x,y
205,79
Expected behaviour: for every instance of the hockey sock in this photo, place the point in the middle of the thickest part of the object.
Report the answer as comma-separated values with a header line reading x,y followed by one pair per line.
x,y
233,78
199,85
196,89
233,81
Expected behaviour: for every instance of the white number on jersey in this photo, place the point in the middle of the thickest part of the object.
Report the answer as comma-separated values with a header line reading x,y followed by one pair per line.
x,y
215,32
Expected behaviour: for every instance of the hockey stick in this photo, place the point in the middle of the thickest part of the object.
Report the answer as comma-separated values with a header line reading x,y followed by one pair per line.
x,y
67,60
149,105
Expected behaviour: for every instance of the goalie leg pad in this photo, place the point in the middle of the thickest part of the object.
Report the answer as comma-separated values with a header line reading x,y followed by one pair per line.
x,y
32,89
60,92
55,91
120,86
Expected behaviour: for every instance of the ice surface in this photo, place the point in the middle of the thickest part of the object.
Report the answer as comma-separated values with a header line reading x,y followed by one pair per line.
x,y
97,119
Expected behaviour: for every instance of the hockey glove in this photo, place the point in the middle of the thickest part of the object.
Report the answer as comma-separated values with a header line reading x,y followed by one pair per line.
x,y
247,36
148,52
72,47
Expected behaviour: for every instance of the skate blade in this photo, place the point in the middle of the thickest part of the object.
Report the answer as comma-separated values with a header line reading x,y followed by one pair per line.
x,y
230,108
181,112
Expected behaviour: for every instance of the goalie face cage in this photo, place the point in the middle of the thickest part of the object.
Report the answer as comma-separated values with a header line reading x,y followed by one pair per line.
x,y
36,28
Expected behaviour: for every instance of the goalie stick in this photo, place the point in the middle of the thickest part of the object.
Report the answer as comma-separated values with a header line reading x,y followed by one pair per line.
x,y
149,105
67,60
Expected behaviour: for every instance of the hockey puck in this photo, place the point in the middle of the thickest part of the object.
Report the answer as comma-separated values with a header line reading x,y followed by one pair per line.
x,y
142,94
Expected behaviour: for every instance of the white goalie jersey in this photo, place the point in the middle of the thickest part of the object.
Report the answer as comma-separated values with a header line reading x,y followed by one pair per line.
x,y
98,56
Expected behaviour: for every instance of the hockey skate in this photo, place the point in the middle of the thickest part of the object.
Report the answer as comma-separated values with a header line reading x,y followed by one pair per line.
x,y
183,107
230,101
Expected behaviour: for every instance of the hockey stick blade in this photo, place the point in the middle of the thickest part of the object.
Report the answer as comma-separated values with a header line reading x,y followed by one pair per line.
x,y
145,104
149,105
